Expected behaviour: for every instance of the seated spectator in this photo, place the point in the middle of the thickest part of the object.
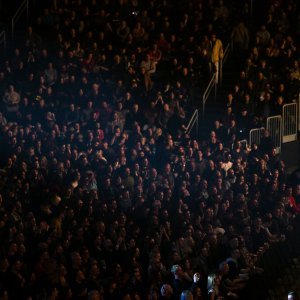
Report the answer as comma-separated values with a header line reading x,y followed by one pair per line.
x,y
11,99
166,291
98,173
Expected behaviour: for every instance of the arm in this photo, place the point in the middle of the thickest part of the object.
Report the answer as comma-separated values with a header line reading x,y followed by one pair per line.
x,y
152,67
272,238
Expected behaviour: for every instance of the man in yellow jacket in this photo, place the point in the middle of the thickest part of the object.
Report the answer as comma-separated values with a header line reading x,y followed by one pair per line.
x,y
216,55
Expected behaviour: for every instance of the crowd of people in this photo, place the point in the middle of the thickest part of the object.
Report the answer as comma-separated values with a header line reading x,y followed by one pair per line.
x,y
103,194
270,77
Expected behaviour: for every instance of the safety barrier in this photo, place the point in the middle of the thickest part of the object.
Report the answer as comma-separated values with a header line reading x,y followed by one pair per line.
x,y
274,126
255,136
289,122
282,129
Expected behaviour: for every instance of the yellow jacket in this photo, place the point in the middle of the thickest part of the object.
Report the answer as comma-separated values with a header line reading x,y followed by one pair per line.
x,y
217,51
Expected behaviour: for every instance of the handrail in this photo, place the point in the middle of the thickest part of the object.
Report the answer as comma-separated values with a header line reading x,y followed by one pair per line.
x,y
226,53
192,122
212,84
3,38
24,6
225,56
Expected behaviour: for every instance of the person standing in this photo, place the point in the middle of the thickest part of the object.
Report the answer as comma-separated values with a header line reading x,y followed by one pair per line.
x,y
240,39
216,55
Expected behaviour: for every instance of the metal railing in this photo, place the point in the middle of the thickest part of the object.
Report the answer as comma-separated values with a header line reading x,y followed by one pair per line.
x,y
211,85
3,38
223,61
255,136
282,129
194,120
274,126
20,11
289,122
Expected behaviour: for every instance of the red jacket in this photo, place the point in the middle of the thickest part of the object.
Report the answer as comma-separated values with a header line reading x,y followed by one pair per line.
x,y
294,205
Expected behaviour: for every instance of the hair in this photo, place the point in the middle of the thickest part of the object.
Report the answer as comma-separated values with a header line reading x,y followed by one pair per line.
x,y
186,295
221,265
174,269
211,280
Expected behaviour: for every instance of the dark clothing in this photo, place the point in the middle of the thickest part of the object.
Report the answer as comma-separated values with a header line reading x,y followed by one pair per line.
x,y
266,145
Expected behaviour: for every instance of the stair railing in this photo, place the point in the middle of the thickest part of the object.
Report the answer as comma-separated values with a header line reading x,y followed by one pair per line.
x,y
194,120
3,38
20,11
223,61
212,86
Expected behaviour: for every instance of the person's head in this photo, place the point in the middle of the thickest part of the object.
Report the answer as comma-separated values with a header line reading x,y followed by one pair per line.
x,y
166,291
235,253
213,280
234,243
76,259
94,295
266,133
11,88
244,112
258,222
176,270
280,100
217,124
224,267
186,295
